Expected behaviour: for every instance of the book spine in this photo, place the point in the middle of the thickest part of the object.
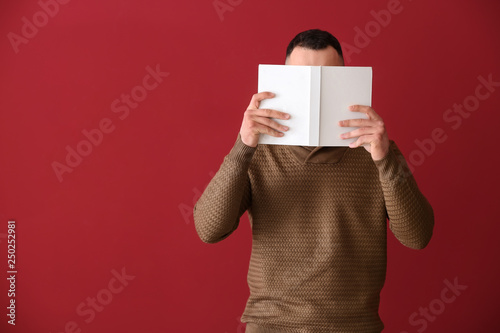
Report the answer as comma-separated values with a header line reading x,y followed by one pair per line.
x,y
315,105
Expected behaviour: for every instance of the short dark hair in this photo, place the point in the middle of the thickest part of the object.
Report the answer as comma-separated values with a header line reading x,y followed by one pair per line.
x,y
314,39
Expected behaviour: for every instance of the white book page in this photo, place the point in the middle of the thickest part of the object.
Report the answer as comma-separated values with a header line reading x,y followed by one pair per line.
x,y
292,86
341,87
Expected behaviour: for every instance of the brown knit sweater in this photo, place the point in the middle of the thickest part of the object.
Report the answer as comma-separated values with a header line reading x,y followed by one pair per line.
x,y
319,231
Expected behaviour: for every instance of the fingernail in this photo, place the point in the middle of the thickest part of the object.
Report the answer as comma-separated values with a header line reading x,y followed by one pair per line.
x,y
287,116
285,128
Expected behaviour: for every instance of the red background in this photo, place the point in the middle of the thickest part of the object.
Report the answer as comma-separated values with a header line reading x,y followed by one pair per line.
x,y
127,205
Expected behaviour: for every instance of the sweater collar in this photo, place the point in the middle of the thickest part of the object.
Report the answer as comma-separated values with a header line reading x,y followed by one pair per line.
x,y
318,155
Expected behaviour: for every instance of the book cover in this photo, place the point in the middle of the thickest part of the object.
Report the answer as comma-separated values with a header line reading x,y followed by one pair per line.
x,y
317,98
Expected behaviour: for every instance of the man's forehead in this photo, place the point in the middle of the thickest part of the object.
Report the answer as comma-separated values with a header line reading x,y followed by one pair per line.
x,y
309,57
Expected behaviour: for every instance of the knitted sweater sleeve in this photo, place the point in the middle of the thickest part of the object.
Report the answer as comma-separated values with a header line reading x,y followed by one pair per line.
x,y
411,217
227,196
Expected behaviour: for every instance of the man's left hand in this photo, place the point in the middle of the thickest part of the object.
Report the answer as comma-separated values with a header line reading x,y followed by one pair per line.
x,y
371,132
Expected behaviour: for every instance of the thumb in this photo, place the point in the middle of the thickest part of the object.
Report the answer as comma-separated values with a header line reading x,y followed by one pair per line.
x,y
257,98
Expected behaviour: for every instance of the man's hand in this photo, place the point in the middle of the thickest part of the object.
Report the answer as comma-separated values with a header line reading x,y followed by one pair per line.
x,y
371,132
257,121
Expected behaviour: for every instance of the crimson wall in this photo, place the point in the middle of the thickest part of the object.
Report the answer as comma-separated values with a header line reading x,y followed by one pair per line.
x,y
114,115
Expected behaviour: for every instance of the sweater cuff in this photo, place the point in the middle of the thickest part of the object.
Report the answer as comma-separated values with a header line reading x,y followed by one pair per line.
x,y
393,165
241,153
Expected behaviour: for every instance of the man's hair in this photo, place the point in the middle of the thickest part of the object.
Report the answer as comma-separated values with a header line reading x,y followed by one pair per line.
x,y
314,39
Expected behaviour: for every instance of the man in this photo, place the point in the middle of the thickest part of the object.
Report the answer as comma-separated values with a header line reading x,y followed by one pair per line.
x,y
318,214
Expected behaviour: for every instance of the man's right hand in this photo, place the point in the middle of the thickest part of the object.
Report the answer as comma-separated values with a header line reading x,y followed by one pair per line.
x,y
258,121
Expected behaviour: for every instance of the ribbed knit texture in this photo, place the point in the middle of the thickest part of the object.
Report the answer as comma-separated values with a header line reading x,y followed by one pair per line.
x,y
319,231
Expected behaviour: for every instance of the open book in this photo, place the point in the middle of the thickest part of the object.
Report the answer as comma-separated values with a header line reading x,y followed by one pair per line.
x,y
317,98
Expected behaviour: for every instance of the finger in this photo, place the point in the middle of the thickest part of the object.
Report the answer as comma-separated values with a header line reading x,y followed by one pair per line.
x,y
362,140
359,123
357,133
262,129
256,98
270,123
269,113
369,111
